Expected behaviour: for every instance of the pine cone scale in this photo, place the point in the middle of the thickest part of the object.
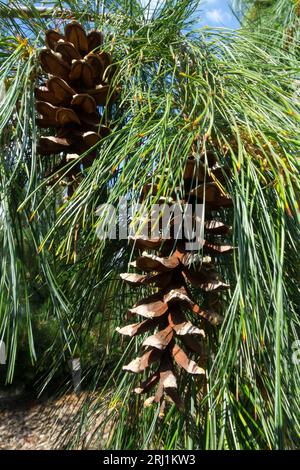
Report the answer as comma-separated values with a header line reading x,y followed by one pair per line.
x,y
172,273
68,101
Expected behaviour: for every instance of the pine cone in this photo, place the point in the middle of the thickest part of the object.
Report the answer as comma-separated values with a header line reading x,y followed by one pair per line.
x,y
173,270
69,100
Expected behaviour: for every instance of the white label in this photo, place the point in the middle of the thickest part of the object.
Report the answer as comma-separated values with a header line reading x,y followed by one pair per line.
x,y
2,352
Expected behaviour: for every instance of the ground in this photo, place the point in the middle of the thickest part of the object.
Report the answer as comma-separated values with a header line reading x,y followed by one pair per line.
x,y
30,424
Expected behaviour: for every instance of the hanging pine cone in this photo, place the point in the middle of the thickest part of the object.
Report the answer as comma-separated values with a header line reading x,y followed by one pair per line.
x,y
69,100
173,270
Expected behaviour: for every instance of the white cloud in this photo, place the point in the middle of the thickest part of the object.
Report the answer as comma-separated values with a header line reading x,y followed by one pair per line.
x,y
217,15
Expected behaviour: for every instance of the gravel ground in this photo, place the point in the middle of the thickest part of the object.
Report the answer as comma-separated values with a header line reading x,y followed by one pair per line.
x,y
31,425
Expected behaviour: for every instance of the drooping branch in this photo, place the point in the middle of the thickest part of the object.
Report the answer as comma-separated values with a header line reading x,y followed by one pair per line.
x,y
25,12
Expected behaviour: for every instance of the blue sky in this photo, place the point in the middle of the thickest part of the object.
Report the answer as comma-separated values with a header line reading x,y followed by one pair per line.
x,y
217,13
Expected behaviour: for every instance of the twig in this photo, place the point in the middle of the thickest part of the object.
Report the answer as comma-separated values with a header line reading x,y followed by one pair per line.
x,y
25,12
